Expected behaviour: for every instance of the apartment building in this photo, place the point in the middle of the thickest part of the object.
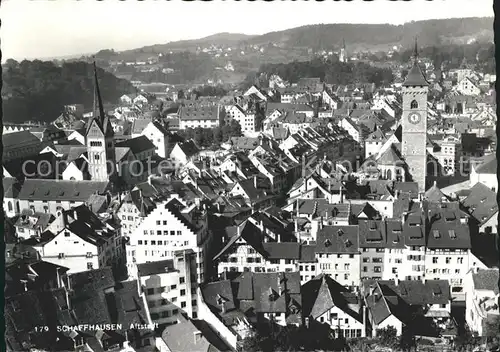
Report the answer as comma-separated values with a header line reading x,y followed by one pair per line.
x,y
170,287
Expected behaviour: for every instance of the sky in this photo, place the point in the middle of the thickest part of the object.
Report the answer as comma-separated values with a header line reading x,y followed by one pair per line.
x,y
55,28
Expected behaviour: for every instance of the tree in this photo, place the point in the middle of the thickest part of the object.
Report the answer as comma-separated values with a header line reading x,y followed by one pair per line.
x,y
466,341
388,336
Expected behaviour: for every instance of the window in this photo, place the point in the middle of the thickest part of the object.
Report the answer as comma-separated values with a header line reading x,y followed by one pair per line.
x,y
181,280
90,266
183,304
96,156
448,260
150,291
172,233
183,292
89,255
173,287
434,260
158,232
377,269
193,303
174,299
158,222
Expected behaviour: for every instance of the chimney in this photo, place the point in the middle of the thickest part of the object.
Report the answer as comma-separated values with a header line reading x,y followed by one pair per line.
x,y
197,336
25,284
58,277
280,288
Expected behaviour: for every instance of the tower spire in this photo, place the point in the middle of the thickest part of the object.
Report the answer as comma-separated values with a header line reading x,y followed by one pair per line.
x,y
98,107
415,50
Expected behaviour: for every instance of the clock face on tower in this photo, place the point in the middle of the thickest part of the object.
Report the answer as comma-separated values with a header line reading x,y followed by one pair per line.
x,y
414,118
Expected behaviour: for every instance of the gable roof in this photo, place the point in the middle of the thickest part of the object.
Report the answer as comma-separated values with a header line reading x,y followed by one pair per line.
x,y
322,293
137,145
36,189
481,203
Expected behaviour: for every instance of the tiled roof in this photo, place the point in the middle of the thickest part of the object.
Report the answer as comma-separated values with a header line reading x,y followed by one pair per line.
x,y
481,203
139,125
488,166
434,194
307,253
155,268
282,250
137,145
189,148
199,113
372,234
322,293
389,157
446,230
486,280
415,77
407,187
338,239
36,189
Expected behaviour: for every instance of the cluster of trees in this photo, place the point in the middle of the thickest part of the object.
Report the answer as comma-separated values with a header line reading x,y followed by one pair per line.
x,y
483,54
189,67
38,90
210,91
270,338
209,137
329,71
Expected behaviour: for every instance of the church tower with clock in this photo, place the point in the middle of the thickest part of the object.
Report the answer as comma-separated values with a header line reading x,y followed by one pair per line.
x,y
414,123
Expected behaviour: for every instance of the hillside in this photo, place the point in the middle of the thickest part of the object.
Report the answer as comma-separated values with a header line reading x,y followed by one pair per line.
x,y
219,39
38,90
374,36
357,36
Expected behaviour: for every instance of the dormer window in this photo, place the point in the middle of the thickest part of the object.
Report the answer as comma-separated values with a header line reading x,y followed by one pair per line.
x,y
373,226
452,234
340,232
436,234
414,104
327,243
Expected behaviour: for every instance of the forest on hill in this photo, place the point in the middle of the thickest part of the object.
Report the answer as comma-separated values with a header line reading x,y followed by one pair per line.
x,y
329,71
357,36
38,90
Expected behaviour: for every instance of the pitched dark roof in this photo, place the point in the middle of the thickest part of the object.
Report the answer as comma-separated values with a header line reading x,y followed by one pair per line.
x,y
323,293
486,280
137,145
37,189
338,239
415,77
488,165
481,203
155,268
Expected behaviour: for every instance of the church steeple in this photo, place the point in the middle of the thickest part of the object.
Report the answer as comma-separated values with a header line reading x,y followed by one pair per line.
x,y
415,76
98,106
415,51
